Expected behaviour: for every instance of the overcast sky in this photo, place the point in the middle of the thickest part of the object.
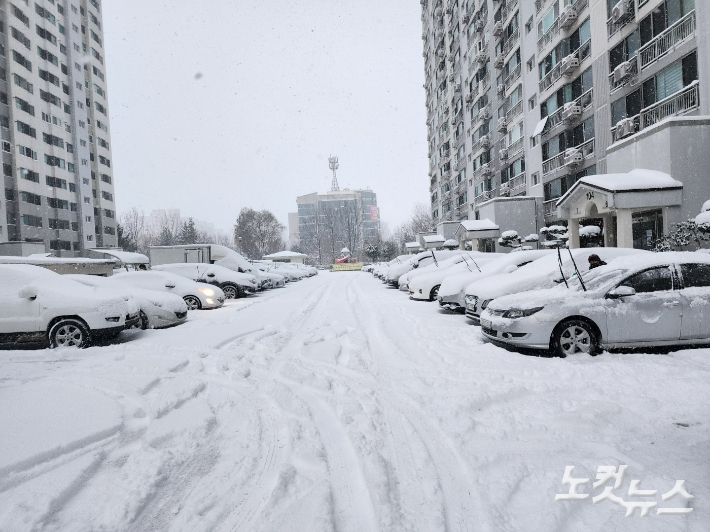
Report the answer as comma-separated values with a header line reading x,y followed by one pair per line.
x,y
223,104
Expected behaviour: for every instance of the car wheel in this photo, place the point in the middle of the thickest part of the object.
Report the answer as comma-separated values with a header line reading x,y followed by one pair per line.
x,y
574,336
434,293
192,302
69,333
144,321
230,291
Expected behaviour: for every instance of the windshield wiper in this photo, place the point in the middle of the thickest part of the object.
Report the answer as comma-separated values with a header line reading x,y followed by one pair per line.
x,y
434,257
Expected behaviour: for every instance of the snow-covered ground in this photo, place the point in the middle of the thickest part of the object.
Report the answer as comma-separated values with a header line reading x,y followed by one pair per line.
x,y
336,404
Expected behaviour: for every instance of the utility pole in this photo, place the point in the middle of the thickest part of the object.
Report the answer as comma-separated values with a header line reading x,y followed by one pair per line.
x,y
333,164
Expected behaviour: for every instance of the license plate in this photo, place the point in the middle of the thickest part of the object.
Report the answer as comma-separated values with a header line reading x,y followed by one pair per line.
x,y
486,324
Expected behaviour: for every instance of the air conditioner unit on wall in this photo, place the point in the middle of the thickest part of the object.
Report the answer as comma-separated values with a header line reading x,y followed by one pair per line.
x,y
485,113
485,142
502,124
479,25
573,157
503,152
571,111
505,189
621,10
498,28
568,17
499,61
486,170
623,72
501,88
569,64
625,127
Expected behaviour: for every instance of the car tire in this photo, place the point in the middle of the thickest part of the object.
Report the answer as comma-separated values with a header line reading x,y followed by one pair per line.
x,y
69,333
574,336
144,321
434,293
230,291
192,302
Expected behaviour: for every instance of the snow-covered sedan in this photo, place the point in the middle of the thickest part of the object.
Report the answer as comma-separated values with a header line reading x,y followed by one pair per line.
x,y
540,274
425,258
196,295
424,283
157,309
233,284
452,292
656,299
40,305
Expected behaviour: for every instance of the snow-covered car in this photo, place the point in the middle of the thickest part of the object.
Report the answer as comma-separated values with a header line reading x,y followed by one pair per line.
x,y
228,258
289,272
657,299
276,279
425,258
233,284
452,292
40,305
196,295
381,269
424,283
157,309
539,274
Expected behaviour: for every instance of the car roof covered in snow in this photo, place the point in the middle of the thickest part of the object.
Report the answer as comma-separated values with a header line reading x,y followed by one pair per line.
x,y
126,257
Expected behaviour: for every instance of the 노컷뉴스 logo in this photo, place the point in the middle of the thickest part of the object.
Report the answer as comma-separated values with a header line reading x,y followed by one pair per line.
x,y
608,473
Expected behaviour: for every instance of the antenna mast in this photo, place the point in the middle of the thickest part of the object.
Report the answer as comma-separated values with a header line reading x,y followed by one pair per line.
x,y
333,165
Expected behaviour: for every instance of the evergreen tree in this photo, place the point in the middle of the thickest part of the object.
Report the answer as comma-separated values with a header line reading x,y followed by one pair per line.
x,y
188,233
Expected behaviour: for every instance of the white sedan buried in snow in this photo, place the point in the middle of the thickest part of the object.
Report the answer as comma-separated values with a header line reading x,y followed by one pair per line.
x,y
638,301
40,305
157,309
420,260
424,283
540,274
196,295
233,284
452,292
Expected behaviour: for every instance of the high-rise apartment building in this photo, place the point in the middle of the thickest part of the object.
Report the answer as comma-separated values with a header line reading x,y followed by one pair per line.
x,y
54,124
526,97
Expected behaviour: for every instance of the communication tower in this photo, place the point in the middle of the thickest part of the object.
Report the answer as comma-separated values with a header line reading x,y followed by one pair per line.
x,y
333,164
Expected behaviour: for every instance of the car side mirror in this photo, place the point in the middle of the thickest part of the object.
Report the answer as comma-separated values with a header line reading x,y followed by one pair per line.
x,y
510,268
169,284
27,292
240,270
210,275
621,291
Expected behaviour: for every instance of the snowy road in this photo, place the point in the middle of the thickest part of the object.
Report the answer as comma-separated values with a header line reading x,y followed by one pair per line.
x,y
338,404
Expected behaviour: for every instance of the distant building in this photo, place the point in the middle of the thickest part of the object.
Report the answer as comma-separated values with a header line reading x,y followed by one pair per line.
x,y
171,218
293,226
345,218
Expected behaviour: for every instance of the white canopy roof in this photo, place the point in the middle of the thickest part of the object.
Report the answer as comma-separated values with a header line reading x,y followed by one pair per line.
x,y
284,255
479,225
412,245
126,257
431,239
540,126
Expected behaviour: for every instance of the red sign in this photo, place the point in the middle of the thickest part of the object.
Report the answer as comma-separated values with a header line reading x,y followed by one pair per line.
x,y
374,213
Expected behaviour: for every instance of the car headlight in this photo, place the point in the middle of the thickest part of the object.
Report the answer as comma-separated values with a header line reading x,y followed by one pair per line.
x,y
207,291
485,304
521,313
470,299
210,301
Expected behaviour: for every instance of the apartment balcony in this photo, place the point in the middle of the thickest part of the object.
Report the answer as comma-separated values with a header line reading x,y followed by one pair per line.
x,y
560,160
557,118
514,111
623,74
550,208
485,196
667,41
682,102
513,76
460,164
515,147
556,73
510,42
507,9
460,188
624,12
517,184
554,30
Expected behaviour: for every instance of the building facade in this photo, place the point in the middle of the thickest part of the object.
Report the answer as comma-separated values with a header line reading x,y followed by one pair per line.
x,y
335,220
54,124
524,98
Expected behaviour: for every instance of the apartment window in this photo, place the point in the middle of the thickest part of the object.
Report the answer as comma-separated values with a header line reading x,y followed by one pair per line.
x,y
515,169
9,194
82,124
625,50
51,98
535,178
663,16
98,73
46,35
20,15
62,30
4,121
71,168
532,102
6,146
568,139
26,129
21,60
529,26
100,108
56,182
51,139
23,83
70,148
107,213
109,230
27,152
7,169
568,93
45,13
87,219
20,37
55,223
82,142
89,237
56,203
28,197
566,46
99,91
101,142
29,175
31,221
48,76
72,187
87,199
48,56
101,125
107,178
55,161
97,55
60,245
24,106
531,64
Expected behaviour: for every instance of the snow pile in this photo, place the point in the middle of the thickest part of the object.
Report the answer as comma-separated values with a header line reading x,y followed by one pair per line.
x,y
589,231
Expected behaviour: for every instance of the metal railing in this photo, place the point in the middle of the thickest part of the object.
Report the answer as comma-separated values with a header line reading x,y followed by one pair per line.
x,y
514,75
679,103
558,161
550,34
517,183
556,73
550,208
666,41
515,147
613,27
460,164
510,42
514,111
555,119
613,85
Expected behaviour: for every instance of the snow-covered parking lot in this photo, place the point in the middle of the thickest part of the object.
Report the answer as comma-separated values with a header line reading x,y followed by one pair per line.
x,y
339,404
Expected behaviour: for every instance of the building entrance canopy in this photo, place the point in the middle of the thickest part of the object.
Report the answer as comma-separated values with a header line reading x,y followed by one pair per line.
x,y
617,196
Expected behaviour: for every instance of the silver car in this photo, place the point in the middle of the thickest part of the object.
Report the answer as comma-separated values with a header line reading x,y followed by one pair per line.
x,y
656,299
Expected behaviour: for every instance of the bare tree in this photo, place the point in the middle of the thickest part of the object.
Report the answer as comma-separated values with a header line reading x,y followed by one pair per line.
x,y
420,222
133,225
258,233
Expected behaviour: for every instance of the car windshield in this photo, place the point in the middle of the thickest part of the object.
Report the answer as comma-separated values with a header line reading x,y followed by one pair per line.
x,y
595,279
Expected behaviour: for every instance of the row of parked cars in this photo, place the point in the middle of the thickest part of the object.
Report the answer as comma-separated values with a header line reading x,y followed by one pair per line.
x,y
560,301
39,305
